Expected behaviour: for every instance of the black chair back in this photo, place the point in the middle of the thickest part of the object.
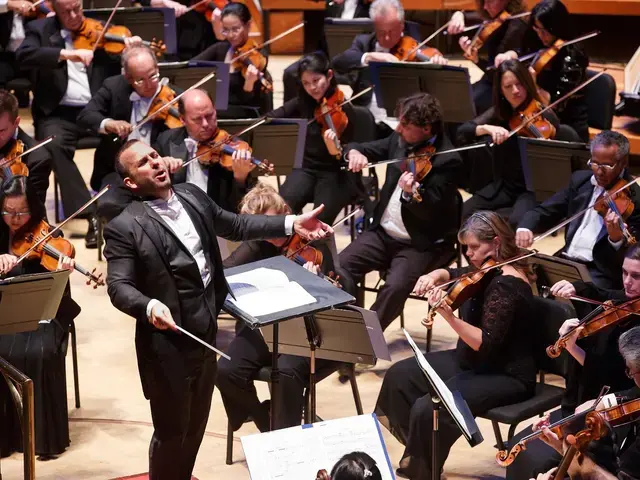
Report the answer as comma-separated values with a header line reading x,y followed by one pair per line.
x,y
601,96
549,315
365,125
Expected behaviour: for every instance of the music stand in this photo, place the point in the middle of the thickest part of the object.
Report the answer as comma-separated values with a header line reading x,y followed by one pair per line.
x,y
349,335
146,22
549,164
279,140
450,85
184,74
325,296
452,401
27,299
553,269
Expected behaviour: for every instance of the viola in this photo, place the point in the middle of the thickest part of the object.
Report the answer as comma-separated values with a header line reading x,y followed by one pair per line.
x,y
621,204
50,251
88,36
298,250
330,116
419,163
207,7
170,116
249,54
535,125
483,34
406,50
221,148
600,319
462,290
12,164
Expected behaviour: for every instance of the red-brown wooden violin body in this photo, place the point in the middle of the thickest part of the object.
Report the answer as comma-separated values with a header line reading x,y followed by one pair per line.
x,y
10,165
88,35
539,127
406,51
621,204
220,149
249,54
330,116
484,32
170,116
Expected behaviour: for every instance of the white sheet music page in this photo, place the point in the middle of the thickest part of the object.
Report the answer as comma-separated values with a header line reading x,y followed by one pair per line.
x,y
298,453
264,291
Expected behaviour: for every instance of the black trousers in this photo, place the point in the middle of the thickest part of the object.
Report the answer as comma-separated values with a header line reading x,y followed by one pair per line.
x,y
249,353
180,410
333,189
62,124
405,406
402,262
482,92
492,197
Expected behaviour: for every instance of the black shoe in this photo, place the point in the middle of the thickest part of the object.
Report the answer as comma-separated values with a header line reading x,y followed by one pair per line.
x,y
91,238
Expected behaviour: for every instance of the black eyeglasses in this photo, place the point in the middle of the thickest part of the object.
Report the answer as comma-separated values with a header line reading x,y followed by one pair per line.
x,y
598,166
631,374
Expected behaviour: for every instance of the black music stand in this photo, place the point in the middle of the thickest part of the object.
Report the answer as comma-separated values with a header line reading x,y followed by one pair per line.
x,y
552,269
184,74
146,22
450,85
279,140
549,164
325,296
452,401
349,334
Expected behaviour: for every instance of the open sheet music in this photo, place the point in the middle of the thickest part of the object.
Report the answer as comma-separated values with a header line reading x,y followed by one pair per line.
x,y
297,453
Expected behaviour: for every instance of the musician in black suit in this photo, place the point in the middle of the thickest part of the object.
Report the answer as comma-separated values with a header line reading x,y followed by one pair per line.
x,y
12,23
65,80
225,187
409,235
38,162
121,102
590,239
165,270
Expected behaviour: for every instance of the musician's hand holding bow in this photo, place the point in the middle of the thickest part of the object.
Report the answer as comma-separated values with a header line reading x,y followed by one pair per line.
x,y
19,6
613,227
161,318
501,57
120,128
173,164
524,238
242,165
309,227
563,289
456,24
7,262
177,7
498,134
357,161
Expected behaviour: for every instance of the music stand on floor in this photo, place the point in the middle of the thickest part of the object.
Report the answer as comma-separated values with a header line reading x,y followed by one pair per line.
x,y
183,75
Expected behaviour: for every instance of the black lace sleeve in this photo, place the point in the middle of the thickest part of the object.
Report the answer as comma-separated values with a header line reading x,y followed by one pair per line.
x,y
498,312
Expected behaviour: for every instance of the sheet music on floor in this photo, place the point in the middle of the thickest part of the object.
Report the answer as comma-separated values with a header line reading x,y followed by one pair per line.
x,y
265,290
297,453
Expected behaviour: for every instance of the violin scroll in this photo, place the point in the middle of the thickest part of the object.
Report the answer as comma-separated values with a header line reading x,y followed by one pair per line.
x,y
504,458
554,351
94,279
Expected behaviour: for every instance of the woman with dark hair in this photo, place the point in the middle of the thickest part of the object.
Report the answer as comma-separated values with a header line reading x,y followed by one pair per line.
x,y
548,24
38,354
492,364
320,179
513,90
508,37
247,95
353,466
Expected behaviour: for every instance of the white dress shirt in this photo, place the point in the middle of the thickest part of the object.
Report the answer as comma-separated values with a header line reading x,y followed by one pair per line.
x,y
17,28
197,173
78,91
391,220
379,113
349,9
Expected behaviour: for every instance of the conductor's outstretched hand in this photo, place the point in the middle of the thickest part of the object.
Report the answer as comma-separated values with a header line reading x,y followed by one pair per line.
x,y
309,227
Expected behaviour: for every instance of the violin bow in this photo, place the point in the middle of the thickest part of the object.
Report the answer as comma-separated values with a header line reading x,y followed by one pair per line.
x,y
268,42
106,26
62,224
49,139
529,56
333,109
196,5
546,291
480,25
550,106
427,40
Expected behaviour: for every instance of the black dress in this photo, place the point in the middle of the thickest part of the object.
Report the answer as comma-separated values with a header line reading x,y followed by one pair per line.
x,y
501,372
320,179
508,189
40,355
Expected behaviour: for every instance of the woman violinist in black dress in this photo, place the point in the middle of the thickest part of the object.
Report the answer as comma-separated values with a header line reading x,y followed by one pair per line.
x,y
550,23
320,179
249,96
492,364
514,89
38,354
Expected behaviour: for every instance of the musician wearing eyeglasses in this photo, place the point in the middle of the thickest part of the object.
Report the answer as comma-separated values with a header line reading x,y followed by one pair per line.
x,y
591,239
121,102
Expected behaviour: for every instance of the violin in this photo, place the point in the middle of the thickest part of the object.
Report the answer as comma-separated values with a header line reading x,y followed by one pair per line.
x,y
462,290
298,250
50,251
419,163
11,164
247,55
621,204
536,126
330,116
220,149
88,36
608,315
407,50
170,116
483,34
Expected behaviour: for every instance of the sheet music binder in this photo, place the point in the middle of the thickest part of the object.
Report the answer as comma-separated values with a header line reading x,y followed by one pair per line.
x,y
551,269
27,299
184,74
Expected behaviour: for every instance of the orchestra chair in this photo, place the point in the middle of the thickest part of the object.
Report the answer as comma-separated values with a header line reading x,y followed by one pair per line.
x,y
549,315
264,375
19,86
600,96
456,257
74,358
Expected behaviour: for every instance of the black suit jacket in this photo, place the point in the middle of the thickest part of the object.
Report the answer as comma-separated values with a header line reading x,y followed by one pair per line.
x,y
139,269
110,101
565,203
350,60
222,188
435,219
334,10
6,24
40,52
